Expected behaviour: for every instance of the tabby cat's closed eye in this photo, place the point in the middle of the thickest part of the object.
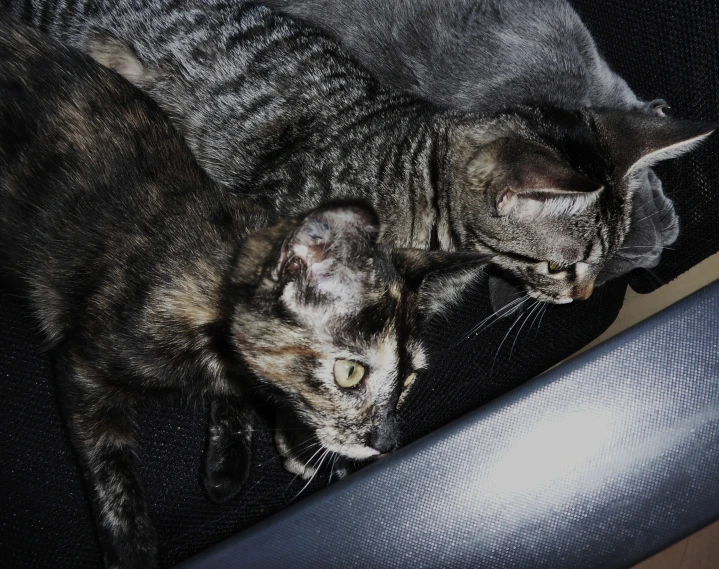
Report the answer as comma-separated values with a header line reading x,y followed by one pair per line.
x,y
555,267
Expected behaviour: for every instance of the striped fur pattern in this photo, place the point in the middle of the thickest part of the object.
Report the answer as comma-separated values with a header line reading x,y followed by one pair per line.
x,y
487,55
147,278
278,111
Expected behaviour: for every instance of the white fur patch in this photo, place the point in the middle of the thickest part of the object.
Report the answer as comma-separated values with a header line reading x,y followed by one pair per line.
x,y
118,56
668,152
561,205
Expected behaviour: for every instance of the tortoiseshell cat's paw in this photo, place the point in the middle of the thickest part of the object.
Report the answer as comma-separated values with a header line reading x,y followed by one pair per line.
x,y
299,449
341,468
227,463
293,462
229,448
307,463
302,455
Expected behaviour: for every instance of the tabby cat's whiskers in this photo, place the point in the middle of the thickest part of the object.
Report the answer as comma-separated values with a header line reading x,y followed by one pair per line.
x,y
495,316
529,310
535,308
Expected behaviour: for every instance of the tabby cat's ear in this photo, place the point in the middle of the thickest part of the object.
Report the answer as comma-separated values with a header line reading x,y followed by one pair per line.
x,y
327,242
117,55
639,140
529,181
439,277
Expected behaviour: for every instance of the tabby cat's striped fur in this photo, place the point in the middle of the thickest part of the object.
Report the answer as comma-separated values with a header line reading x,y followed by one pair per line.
x,y
280,111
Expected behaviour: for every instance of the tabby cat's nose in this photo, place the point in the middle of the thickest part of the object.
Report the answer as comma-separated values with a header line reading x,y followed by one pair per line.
x,y
582,292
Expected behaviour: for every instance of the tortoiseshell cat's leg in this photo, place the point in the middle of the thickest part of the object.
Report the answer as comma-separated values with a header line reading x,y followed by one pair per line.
x,y
100,417
229,447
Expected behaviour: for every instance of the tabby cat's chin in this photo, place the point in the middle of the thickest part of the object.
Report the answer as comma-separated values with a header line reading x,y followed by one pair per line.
x,y
546,298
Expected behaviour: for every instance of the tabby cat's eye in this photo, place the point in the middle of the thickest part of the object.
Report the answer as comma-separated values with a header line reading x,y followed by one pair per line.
x,y
348,373
554,267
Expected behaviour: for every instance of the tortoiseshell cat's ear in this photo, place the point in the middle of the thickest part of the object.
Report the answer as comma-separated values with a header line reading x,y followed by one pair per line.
x,y
439,277
638,140
328,246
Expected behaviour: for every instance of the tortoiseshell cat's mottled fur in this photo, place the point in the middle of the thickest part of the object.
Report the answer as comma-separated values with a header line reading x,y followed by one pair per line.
x,y
278,110
147,279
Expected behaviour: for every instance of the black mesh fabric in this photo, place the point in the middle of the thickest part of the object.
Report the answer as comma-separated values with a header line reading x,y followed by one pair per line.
x,y
44,516
670,49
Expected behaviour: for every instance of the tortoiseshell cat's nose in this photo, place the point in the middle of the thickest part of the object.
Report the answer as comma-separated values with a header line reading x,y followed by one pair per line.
x,y
383,437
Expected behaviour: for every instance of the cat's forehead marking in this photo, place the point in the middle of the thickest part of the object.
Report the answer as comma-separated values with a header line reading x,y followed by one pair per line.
x,y
385,353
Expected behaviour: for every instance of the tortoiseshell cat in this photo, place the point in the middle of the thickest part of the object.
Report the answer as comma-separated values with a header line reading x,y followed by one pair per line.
x,y
279,111
147,279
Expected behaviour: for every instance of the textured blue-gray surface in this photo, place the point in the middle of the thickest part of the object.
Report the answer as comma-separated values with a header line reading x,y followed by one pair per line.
x,y
597,464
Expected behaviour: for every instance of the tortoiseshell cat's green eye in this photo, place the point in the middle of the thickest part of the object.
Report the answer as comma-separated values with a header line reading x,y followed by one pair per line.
x,y
348,373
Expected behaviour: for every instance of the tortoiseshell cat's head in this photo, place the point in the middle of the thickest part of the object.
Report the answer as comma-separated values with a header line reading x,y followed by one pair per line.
x,y
332,327
550,192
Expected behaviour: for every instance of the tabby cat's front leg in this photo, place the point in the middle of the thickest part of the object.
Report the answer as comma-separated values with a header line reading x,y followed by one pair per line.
x,y
229,447
99,416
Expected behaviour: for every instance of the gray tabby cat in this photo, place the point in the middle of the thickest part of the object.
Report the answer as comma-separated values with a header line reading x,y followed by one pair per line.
x,y
279,111
147,279
482,55
488,55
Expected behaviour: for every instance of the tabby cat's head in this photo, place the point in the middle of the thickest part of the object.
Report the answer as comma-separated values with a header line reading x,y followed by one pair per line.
x,y
550,192
325,320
